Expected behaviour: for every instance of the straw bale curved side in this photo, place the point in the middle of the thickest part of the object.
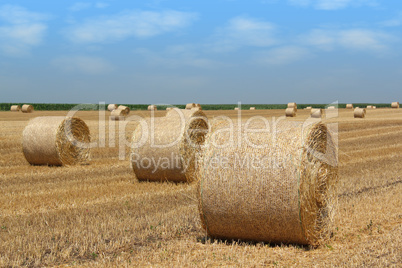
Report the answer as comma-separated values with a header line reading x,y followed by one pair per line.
x,y
395,105
283,192
349,106
252,108
15,108
236,108
290,112
292,105
177,140
26,108
359,113
369,107
316,113
56,140
112,107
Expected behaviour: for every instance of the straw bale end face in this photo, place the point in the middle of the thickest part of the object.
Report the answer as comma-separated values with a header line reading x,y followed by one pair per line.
x,y
56,141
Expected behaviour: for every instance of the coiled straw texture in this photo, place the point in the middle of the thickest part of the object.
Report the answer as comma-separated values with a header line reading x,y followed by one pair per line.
x,y
56,141
274,186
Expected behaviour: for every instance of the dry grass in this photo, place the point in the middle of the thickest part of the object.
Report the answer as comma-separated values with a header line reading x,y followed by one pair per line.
x,y
100,215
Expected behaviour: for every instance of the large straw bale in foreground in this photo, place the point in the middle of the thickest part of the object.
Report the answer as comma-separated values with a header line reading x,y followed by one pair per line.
x,y
292,105
278,188
26,108
290,112
112,107
15,108
359,113
56,140
177,140
395,105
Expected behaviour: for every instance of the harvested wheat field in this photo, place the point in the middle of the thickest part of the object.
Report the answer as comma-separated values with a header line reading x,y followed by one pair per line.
x,y
99,214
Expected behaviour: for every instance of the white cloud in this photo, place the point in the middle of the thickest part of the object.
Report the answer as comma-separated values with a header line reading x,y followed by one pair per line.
x,y
242,31
282,55
82,64
177,57
332,4
85,5
397,21
140,24
22,30
356,39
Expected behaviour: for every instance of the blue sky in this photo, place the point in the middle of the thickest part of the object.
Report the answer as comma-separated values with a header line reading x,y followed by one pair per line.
x,y
221,51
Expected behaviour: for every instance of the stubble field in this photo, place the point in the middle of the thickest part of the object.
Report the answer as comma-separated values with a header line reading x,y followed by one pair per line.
x,y
100,215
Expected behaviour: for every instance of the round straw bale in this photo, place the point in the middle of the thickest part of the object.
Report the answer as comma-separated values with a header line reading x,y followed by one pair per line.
x,y
290,112
395,105
309,108
316,113
359,112
15,108
236,108
111,107
56,140
124,108
152,108
118,114
349,106
374,107
369,107
190,105
252,108
168,108
292,105
275,186
331,108
170,146
26,108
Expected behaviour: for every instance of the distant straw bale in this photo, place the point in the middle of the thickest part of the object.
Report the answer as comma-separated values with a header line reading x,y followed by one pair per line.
x,y
316,113
118,114
395,105
56,141
167,152
359,113
369,107
349,106
290,112
125,108
15,108
287,197
236,108
292,105
309,108
189,106
252,108
111,107
26,108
